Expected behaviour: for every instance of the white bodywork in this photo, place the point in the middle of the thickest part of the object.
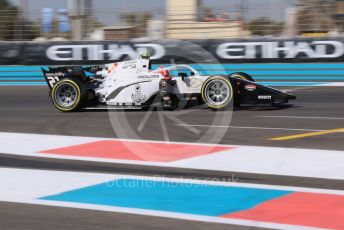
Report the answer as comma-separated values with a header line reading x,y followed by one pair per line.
x,y
133,83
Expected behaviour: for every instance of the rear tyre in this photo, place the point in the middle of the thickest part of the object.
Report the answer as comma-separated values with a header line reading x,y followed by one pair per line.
x,y
217,93
68,95
243,76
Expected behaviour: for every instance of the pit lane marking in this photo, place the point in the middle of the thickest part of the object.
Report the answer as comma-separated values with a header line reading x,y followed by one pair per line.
x,y
301,117
303,135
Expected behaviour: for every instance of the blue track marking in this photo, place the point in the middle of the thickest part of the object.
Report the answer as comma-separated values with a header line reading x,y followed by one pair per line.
x,y
23,83
292,83
20,74
200,199
22,68
21,78
271,74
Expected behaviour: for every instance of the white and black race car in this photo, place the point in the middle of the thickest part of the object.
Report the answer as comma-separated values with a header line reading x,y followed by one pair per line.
x,y
132,84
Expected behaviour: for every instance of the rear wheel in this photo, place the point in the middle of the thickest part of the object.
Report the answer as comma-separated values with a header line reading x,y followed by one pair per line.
x,y
217,92
68,95
243,76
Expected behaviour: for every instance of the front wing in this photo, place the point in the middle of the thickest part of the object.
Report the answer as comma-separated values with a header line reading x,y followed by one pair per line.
x,y
247,93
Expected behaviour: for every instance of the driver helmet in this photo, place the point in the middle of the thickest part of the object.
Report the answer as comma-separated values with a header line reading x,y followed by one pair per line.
x,y
145,55
165,73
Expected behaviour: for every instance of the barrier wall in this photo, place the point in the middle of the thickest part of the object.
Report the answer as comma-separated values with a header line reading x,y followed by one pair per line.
x,y
288,62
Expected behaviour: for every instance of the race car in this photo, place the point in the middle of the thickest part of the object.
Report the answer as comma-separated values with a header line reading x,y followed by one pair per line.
x,y
134,85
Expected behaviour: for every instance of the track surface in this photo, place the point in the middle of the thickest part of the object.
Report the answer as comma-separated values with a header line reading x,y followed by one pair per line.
x,y
28,110
15,216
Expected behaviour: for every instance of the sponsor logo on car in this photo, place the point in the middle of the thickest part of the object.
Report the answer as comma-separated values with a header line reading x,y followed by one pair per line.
x,y
149,76
129,65
133,66
57,74
264,97
195,83
138,88
250,87
138,97
53,78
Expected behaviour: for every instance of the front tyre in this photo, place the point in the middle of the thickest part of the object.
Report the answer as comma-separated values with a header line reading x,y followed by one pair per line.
x,y
68,95
217,93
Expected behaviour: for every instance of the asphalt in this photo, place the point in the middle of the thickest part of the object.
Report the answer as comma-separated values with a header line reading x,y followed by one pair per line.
x,y
16,216
28,110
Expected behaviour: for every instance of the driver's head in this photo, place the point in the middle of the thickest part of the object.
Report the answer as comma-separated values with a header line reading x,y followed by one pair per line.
x,y
166,73
145,55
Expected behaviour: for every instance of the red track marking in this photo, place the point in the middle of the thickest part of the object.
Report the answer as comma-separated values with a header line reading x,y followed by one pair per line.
x,y
141,151
304,209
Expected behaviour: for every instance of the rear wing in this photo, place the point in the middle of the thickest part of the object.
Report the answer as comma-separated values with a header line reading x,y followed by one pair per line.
x,y
53,75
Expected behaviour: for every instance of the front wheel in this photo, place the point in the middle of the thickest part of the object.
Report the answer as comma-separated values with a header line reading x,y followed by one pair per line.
x,y
217,93
68,95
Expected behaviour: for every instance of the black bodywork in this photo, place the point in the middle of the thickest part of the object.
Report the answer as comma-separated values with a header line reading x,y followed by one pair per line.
x,y
246,94
55,74
250,94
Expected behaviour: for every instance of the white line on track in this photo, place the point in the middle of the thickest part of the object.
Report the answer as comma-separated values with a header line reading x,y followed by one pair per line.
x,y
251,127
301,117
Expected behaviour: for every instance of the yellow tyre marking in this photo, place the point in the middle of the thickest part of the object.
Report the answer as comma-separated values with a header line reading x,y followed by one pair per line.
x,y
214,78
303,135
53,95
